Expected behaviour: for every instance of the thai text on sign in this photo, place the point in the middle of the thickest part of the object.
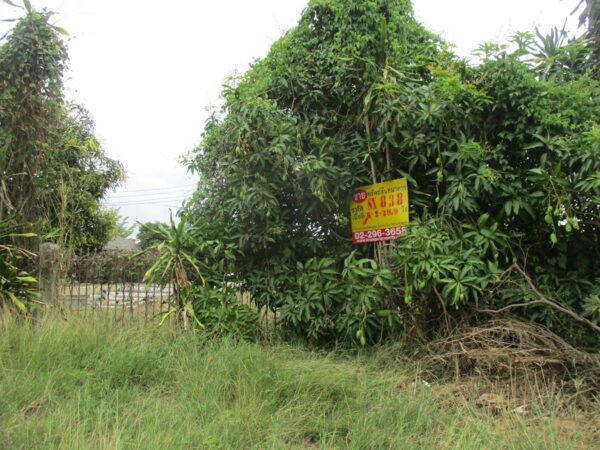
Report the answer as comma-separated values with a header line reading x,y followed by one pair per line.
x,y
379,212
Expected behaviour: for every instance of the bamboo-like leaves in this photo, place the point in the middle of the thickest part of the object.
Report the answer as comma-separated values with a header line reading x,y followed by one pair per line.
x,y
17,289
176,263
9,2
60,30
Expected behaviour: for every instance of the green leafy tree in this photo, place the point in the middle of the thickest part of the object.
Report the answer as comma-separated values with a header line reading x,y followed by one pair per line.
x,y
555,56
53,171
502,162
73,180
32,61
120,228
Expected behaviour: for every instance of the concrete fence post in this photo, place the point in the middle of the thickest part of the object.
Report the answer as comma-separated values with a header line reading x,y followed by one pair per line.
x,y
50,273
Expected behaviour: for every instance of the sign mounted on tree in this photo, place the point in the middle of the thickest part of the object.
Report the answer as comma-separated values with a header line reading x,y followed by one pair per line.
x,y
379,212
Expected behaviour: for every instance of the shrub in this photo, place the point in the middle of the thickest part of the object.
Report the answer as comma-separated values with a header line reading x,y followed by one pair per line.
x,y
222,314
324,300
17,288
502,161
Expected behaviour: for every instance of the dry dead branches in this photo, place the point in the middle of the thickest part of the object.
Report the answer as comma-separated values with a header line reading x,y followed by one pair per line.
x,y
542,300
508,348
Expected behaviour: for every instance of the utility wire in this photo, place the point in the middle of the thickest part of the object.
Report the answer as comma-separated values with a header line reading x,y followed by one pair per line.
x,y
149,199
161,189
150,195
149,202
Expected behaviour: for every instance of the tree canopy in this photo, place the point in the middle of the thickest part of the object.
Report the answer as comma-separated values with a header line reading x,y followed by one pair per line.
x,y
53,170
502,161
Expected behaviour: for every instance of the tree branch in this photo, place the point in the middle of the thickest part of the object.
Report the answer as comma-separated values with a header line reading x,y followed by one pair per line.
x,y
542,300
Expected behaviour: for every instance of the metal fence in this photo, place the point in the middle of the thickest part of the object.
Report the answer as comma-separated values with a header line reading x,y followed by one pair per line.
x,y
107,283
125,300
111,284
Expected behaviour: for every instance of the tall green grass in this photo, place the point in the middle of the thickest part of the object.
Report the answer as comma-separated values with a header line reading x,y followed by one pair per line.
x,y
96,385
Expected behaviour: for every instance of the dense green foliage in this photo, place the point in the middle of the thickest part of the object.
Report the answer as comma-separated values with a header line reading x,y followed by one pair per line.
x,y
121,228
194,267
53,171
146,235
95,385
221,313
17,288
79,175
314,299
502,160
110,266
175,265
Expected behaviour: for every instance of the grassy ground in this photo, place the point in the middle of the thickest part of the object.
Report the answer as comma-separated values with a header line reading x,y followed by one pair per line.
x,y
94,385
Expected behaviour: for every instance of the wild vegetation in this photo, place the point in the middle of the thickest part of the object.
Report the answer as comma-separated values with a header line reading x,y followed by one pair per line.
x,y
17,288
147,235
502,159
53,171
97,385
496,283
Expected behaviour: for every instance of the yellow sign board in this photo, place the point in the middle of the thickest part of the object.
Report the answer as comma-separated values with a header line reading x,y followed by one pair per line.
x,y
379,212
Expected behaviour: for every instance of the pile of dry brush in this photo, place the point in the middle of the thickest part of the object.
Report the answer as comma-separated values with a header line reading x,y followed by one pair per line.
x,y
507,349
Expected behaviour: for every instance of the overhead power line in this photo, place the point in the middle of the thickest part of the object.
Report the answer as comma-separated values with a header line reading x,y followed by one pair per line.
x,y
150,195
147,202
161,189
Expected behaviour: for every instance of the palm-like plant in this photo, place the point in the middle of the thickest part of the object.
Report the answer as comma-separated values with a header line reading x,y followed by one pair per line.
x,y
176,265
17,288
553,56
547,54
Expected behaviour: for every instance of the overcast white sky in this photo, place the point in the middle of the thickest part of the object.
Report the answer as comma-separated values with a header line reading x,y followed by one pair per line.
x,y
148,71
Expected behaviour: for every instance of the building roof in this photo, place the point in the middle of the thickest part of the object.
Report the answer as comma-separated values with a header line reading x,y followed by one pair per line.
x,y
122,244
